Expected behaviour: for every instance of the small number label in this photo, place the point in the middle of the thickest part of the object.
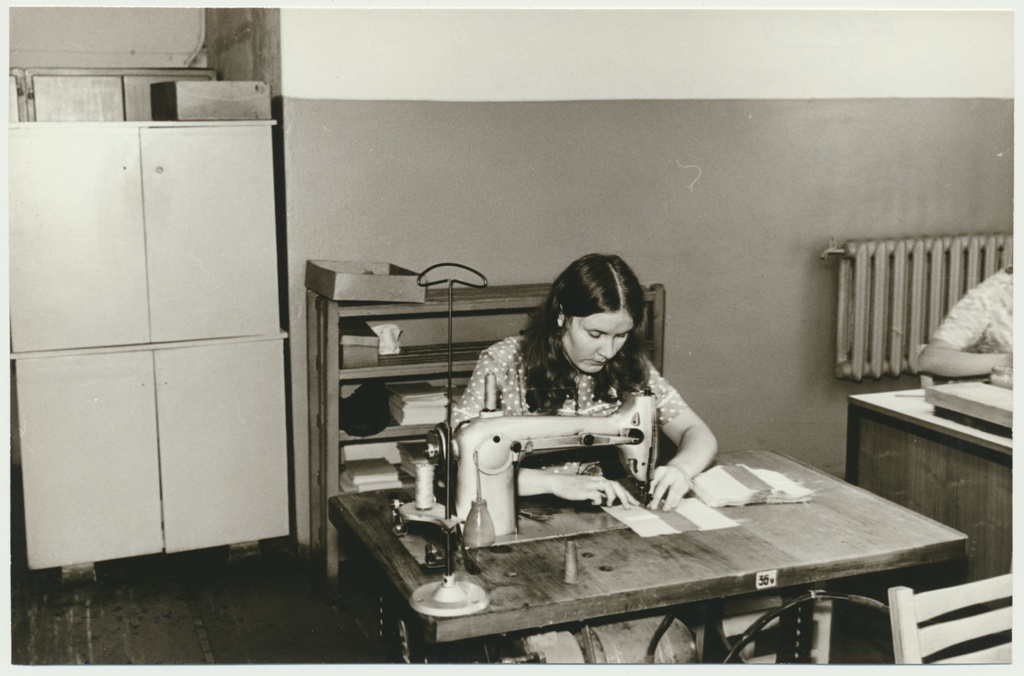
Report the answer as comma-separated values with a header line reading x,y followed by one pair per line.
x,y
765,579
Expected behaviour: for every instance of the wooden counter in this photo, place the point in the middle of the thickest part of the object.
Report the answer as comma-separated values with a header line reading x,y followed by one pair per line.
x,y
954,473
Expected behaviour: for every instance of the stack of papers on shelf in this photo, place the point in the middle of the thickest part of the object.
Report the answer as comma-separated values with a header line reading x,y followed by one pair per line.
x,y
369,474
417,403
731,485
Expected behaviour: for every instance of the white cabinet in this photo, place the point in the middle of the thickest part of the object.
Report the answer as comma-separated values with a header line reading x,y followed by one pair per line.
x,y
90,464
77,238
130,234
222,438
148,356
100,484
207,277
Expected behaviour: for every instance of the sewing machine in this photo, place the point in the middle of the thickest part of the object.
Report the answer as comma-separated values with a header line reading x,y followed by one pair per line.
x,y
488,450
490,447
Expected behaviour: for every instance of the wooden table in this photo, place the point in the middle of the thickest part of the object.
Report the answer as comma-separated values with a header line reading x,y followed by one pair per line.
x,y
956,474
843,531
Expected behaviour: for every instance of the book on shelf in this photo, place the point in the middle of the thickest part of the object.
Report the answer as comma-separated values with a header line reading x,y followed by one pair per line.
x,y
369,469
422,393
733,485
419,403
348,487
369,474
418,415
374,449
417,394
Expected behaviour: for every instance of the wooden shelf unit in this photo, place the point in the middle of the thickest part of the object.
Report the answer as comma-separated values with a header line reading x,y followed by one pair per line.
x,y
326,377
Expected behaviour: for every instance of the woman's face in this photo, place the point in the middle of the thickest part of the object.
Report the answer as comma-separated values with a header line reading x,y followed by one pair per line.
x,y
591,341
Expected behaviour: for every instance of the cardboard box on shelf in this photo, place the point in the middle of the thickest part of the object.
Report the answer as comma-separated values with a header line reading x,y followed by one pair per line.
x,y
184,100
363,281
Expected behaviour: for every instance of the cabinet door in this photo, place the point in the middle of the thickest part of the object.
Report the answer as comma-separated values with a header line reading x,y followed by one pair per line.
x,y
78,262
210,232
223,456
87,428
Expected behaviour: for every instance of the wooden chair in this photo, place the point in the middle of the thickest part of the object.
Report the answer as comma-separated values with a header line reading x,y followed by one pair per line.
x,y
964,624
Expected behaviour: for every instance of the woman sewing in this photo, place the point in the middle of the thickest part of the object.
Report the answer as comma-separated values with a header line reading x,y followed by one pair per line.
x,y
581,350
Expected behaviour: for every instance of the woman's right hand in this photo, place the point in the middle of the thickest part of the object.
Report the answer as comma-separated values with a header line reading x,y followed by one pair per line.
x,y
598,490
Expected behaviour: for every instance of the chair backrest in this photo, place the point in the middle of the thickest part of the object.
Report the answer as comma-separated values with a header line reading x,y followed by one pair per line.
x,y
964,624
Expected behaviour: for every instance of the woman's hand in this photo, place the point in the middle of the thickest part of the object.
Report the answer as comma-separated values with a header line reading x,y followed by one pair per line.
x,y
697,447
596,489
670,483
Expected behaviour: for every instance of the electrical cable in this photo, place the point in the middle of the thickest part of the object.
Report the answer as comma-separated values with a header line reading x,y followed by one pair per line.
x,y
652,647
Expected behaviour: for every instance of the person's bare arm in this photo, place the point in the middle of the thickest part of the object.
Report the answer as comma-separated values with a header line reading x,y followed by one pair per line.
x,y
697,447
942,359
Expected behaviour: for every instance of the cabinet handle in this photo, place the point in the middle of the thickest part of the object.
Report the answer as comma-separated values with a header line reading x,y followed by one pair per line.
x,y
159,170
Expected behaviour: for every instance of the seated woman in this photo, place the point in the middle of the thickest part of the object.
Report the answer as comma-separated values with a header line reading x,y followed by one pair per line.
x,y
977,334
581,351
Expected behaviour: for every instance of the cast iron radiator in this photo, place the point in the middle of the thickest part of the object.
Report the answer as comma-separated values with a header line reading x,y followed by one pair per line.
x,y
893,293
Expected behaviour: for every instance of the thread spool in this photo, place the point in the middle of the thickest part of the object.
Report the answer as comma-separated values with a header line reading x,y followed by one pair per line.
x,y
491,402
424,485
571,573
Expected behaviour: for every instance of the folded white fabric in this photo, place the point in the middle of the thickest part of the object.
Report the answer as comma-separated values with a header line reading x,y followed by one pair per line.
x,y
731,485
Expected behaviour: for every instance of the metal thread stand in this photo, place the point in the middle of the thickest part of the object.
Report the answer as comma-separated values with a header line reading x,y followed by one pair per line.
x,y
449,597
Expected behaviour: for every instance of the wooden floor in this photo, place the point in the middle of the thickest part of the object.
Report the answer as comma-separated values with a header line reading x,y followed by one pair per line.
x,y
204,608
191,609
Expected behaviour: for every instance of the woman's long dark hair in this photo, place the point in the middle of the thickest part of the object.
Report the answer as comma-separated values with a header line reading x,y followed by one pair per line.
x,y
590,285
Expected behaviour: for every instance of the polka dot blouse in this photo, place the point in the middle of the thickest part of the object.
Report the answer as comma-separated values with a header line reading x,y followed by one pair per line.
x,y
505,361
982,321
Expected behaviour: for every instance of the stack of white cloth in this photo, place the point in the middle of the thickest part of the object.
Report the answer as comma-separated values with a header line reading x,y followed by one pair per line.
x,y
730,485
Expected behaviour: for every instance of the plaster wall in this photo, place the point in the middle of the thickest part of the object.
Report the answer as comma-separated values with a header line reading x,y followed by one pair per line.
x,y
655,54
729,204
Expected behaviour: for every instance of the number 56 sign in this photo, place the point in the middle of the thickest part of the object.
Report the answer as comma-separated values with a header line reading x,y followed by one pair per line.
x,y
765,579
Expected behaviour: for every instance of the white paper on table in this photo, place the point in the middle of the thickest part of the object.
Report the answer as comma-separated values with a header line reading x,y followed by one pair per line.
x,y
643,522
702,516
647,523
